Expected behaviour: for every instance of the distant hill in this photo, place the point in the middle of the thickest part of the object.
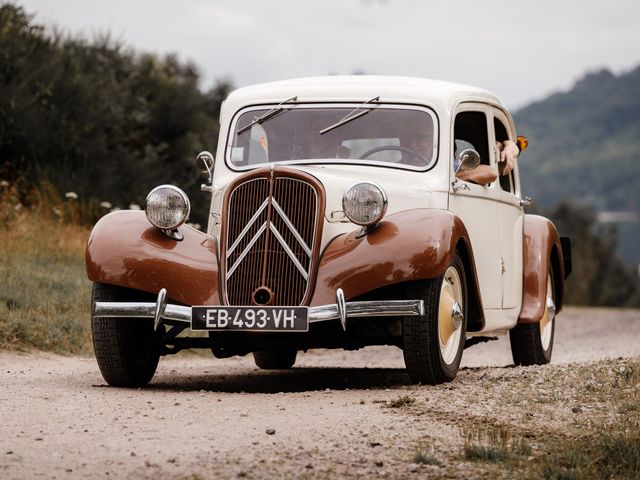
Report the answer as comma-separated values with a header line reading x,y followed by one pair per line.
x,y
585,147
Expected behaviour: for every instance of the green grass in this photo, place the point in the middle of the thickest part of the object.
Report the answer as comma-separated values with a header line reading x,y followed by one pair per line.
x,y
606,451
425,459
485,453
579,422
401,402
493,443
603,455
44,292
425,453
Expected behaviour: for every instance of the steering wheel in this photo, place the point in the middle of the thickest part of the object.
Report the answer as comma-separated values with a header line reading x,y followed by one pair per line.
x,y
395,148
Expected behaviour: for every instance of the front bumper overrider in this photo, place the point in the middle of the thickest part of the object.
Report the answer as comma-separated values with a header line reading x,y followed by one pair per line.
x,y
161,310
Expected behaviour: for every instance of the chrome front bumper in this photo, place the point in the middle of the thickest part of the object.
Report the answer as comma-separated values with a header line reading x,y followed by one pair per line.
x,y
161,310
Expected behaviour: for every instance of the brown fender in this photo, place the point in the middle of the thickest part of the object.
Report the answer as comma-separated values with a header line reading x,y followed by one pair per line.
x,y
411,245
542,251
125,249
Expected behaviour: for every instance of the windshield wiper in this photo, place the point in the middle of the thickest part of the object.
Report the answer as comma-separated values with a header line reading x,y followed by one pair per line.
x,y
271,113
350,116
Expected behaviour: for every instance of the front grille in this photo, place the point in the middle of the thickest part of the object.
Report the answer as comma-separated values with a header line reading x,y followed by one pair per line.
x,y
270,239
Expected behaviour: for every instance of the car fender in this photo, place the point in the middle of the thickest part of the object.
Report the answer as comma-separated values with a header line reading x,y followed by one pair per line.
x,y
542,251
407,246
125,249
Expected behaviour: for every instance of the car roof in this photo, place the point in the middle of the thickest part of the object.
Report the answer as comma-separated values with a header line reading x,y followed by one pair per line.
x,y
356,88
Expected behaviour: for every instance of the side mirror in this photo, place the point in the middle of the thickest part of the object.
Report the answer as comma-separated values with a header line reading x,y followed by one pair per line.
x,y
468,160
204,161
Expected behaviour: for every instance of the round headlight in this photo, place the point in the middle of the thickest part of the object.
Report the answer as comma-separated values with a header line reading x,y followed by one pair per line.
x,y
167,207
364,203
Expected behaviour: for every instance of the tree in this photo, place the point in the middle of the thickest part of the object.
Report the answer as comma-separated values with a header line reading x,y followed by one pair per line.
x,y
98,119
599,276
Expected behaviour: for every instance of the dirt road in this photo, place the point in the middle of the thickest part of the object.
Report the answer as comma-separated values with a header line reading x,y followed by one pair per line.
x,y
329,417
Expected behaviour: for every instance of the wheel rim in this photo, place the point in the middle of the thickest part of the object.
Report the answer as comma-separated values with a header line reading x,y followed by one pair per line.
x,y
546,323
450,315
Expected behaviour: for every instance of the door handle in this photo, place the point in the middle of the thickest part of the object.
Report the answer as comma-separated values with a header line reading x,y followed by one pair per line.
x,y
457,185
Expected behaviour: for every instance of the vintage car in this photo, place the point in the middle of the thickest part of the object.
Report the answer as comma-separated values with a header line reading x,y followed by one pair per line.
x,y
337,220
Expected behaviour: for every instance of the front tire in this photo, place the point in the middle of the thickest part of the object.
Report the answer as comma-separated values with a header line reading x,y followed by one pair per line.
x,y
433,343
127,349
275,359
532,343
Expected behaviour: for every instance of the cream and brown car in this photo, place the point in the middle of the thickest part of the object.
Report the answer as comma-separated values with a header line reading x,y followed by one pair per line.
x,y
336,221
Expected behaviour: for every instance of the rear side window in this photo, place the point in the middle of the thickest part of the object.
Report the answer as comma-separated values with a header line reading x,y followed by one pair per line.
x,y
507,182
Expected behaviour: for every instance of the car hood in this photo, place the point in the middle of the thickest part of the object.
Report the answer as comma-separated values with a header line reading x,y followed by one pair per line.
x,y
405,189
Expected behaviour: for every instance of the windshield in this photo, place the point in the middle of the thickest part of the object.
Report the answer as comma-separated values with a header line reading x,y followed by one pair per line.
x,y
381,134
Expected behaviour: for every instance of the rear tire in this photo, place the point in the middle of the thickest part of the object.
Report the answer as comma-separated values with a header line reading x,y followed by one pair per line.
x,y
275,359
127,349
432,344
532,343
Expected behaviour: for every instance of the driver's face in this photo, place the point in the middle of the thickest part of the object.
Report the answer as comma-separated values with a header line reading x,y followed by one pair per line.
x,y
421,143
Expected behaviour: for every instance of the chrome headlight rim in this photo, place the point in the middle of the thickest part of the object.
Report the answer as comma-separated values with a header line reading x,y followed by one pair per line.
x,y
185,199
383,211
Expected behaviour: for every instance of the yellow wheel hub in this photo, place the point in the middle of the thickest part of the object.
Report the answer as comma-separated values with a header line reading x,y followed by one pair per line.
x,y
445,317
546,322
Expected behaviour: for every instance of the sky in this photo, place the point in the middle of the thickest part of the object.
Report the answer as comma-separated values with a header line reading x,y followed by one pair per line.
x,y
521,51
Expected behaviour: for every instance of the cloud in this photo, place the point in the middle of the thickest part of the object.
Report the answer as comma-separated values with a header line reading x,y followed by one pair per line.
x,y
519,50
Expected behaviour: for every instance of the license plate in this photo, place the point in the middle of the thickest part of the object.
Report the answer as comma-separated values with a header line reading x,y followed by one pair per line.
x,y
262,319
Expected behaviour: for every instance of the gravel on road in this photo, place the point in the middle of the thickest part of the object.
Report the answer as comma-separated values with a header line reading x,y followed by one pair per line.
x,y
200,417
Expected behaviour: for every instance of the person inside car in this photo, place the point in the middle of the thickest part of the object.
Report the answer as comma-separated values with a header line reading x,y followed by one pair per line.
x,y
419,146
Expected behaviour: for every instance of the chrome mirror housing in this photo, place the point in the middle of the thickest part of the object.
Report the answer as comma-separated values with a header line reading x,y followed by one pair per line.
x,y
204,161
468,160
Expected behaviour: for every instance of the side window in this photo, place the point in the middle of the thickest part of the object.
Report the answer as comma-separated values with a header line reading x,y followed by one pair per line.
x,y
471,128
507,182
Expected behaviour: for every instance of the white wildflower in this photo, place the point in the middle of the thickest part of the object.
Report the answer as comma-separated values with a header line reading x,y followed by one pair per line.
x,y
71,195
134,206
4,183
115,209
106,205
57,211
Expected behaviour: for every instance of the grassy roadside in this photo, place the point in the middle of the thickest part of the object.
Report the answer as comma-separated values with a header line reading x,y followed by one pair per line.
x,y
44,292
579,421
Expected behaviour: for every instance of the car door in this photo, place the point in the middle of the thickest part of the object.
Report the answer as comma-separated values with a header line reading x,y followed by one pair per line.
x,y
511,217
477,205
